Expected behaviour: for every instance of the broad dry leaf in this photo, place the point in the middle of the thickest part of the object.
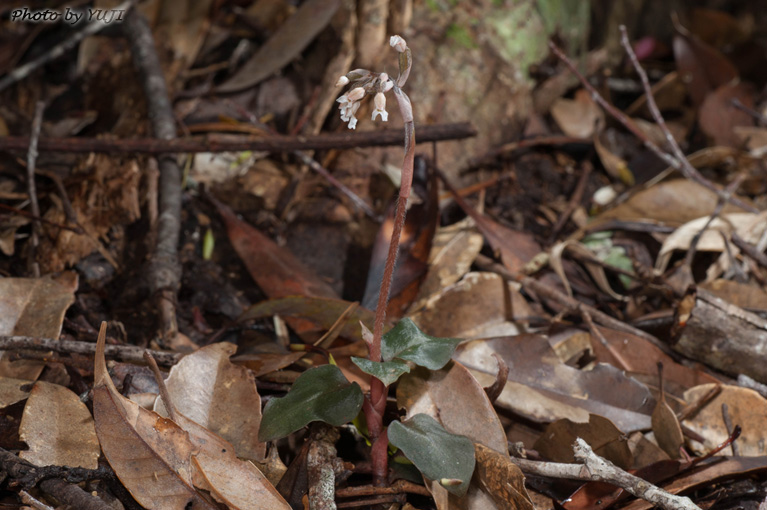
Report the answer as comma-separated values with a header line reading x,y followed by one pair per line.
x,y
556,442
453,251
33,307
544,389
480,305
746,408
150,454
502,479
579,117
217,394
665,425
237,483
58,428
13,390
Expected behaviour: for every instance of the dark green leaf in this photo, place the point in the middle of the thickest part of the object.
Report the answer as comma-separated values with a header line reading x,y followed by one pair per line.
x,y
319,394
405,341
385,371
437,453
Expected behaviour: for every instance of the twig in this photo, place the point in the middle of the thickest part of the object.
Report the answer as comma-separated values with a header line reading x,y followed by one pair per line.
x,y
728,425
678,160
397,487
164,271
92,28
551,293
131,353
605,471
494,390
321,464
749,249
580,189
269,143
164,394
37,125
67,494
356,200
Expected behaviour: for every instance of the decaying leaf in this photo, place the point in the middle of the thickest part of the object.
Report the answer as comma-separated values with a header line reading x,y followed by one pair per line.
x,y
502,479
58,428
209,389
33,307
151,455
556,442
746,408
13,390
665,425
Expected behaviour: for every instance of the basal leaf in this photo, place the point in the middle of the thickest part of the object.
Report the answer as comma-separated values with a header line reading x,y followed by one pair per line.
x,y
438,454
386,371
319,394
405,341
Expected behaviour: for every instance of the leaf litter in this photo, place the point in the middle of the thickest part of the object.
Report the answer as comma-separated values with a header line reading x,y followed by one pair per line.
x,y
677,263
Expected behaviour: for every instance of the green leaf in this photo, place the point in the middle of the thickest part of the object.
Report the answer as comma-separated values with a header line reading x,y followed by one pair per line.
x,y
319,394
385,371
436,453
405,341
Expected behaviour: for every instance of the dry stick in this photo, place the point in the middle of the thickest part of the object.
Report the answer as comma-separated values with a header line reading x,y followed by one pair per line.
x,y
164,395
92,28
605,471
270,143
749,249
678,161
164,271
37,124
580,189
356,200
728,425
64,492
397,487
553,294
128,353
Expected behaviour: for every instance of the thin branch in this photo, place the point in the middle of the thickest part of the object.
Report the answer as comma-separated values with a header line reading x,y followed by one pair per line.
x,y
37,125
164,270
131,353
680,164
228,143
605,471
92,28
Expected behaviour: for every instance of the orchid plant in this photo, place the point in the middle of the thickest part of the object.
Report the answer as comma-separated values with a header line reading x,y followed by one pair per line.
x,y
323,393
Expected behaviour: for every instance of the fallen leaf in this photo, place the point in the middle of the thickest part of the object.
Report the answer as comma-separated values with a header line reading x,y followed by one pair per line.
x,y
502,479
220,396
746,408
58,428
665,425
151,455
719,117
287,43
13,390
33,307
556,442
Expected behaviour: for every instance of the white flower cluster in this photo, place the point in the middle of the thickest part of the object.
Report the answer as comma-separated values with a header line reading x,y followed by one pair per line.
x,y
367,82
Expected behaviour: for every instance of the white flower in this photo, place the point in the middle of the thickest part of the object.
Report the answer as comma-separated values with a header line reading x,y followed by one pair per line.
x,y
387,86
355,94
343,80
380,102
383,77
347,113
398,43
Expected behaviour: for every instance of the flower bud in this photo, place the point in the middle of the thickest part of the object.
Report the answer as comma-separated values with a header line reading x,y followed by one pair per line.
x,y
398,43
343,80
355,94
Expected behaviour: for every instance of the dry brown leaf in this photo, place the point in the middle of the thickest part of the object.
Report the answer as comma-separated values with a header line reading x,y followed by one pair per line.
x,y
745,295
718,116
237,483
217,394
480,305
502,479
13,390
579,117
746,408
33,307
672,202
58,428
453,251
543,388
665,425
556,442
150,454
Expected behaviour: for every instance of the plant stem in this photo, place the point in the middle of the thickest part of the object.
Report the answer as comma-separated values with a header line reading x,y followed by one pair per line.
x,y
374,411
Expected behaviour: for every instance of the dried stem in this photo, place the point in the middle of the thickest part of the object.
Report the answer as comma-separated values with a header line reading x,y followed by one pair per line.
x,y
37,124
164,271
677,160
